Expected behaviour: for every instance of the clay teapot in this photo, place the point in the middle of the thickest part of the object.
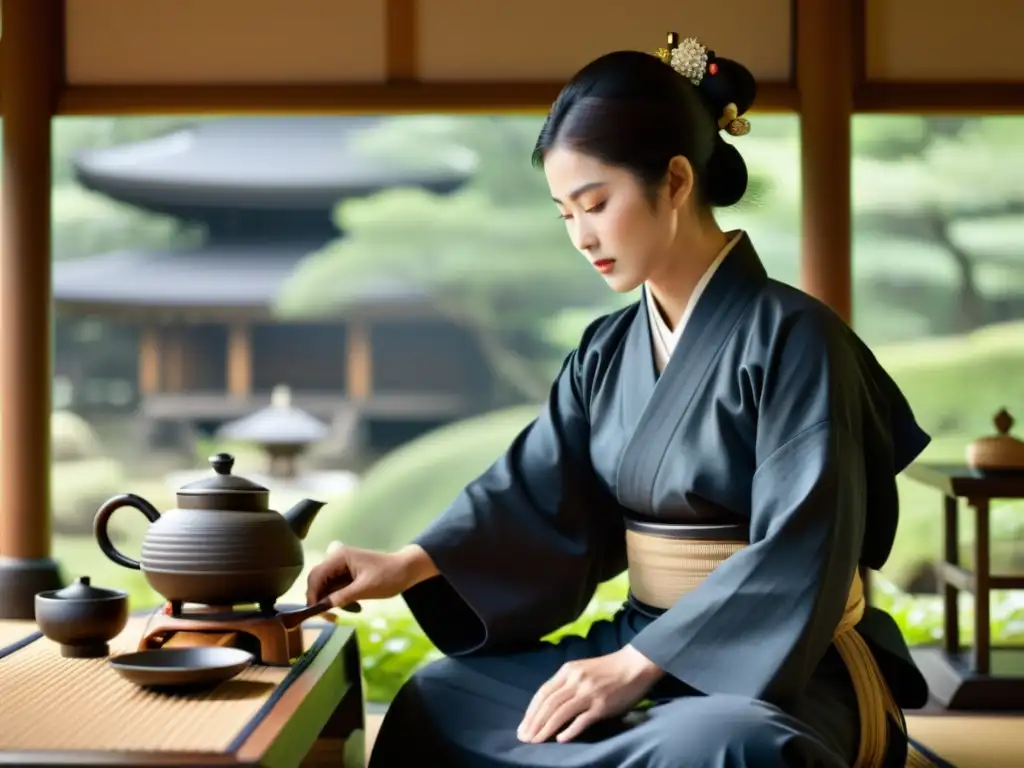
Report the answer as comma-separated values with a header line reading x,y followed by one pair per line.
x,y
221,546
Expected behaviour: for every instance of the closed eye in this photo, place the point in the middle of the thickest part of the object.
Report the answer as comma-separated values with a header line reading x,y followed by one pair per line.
x,y
593,209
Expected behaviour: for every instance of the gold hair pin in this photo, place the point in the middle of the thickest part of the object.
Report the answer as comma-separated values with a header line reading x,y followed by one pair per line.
x,y
732,123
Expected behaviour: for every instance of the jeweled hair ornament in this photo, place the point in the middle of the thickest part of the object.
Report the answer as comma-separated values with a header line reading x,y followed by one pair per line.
x,y
732,123
691,59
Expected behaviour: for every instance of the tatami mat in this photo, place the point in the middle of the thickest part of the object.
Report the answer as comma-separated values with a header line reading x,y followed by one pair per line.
x,y
94,705
12,632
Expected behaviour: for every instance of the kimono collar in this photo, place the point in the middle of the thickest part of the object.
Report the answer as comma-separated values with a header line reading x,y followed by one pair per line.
x,y
740,270
650,396
665,339
738,278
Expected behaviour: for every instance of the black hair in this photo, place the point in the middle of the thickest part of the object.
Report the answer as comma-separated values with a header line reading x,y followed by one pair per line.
x,y
632,110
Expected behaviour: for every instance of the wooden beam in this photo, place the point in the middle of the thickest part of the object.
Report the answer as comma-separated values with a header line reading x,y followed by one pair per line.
x,y
404,93
825,79
982,98
922,98
381,98
31,68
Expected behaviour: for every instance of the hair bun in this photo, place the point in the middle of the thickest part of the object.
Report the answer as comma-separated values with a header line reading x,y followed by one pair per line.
x,y
729,90
726,175
730,83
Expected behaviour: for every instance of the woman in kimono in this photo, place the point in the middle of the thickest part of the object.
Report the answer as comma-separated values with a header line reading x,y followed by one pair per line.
x,y
727,439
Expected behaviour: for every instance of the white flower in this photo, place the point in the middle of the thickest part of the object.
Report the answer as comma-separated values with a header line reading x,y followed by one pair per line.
x,y
690,59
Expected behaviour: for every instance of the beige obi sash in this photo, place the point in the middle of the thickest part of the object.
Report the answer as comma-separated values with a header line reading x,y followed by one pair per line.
x,y
665,565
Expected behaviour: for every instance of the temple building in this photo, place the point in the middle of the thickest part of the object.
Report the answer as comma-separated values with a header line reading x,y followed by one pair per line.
x,y
204,346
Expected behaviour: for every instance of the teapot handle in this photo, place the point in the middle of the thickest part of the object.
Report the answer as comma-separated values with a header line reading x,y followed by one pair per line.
x,y
103,519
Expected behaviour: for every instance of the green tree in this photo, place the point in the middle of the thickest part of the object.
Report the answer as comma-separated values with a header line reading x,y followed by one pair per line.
x,y
494,252
947,184
85,222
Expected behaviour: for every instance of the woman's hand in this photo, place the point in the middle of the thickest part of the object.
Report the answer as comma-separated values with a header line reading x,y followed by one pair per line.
x,y
588,690
348,575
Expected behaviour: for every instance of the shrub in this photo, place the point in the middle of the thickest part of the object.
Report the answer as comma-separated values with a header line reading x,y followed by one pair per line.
x,y
406,489
71,438
77,488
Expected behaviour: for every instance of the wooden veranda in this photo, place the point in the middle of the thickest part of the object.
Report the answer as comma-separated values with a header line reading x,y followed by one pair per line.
x,y
825,61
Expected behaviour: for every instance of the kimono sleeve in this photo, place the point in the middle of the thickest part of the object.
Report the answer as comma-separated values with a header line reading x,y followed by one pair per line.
x,y
761,622
523,547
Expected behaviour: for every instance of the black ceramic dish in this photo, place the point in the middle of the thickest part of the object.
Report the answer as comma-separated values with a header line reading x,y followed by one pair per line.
x,y
181,667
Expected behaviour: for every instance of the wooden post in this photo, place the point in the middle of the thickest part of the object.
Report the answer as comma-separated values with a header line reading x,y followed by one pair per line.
x,y
149,359
32,52
239,373
174,358
359,371
825,80
826,75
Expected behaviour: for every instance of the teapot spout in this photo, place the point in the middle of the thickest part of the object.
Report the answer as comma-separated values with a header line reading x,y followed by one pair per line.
x,y
301,516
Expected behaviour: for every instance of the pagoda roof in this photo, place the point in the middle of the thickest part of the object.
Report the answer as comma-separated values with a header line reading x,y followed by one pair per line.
x,y
216,276
258,162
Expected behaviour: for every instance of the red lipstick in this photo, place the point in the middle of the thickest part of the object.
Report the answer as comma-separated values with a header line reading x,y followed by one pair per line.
x,y
604,266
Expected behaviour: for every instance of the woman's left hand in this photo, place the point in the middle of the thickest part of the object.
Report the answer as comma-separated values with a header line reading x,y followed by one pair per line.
x,y
588,690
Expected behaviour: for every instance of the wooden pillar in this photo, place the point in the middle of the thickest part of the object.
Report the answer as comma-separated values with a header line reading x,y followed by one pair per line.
x,y
826,75
360,363
825,78
149,359
239,373
32,53
174,358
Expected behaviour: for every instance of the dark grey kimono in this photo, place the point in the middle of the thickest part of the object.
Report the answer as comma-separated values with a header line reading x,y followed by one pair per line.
x,y
770,413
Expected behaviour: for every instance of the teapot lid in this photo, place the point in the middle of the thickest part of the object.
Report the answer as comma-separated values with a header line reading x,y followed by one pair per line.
x,y
82,589
223,482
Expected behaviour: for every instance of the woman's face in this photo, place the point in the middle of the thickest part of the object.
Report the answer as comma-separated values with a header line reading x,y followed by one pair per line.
x,y
610,218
